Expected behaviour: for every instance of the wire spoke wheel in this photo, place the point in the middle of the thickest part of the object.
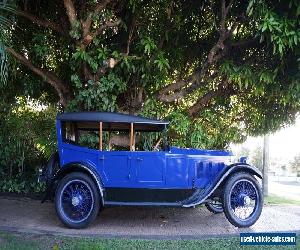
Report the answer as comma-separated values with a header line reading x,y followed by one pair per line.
x,y
77,200
242,199
244,196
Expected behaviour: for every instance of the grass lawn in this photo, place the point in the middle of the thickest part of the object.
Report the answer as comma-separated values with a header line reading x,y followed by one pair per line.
x,y
27,241
277,200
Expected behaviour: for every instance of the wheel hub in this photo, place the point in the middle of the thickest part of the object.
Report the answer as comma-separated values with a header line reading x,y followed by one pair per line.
x,y
247,200
75,201
244,200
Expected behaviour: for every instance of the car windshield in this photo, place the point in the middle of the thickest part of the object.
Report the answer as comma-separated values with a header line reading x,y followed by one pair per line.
x,y
114,136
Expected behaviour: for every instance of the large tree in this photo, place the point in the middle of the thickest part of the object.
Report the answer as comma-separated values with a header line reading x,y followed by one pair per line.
x,y
219,70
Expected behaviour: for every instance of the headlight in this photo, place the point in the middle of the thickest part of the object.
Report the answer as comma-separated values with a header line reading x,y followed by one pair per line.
x,y
243,159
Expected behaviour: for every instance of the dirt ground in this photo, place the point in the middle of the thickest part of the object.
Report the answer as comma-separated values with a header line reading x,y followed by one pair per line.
x,y
30,216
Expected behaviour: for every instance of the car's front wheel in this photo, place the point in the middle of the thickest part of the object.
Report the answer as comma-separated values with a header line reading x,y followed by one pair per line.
x,y
242,200
77,200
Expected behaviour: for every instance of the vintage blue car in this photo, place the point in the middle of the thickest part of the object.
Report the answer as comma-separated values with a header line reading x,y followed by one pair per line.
x,y
113,159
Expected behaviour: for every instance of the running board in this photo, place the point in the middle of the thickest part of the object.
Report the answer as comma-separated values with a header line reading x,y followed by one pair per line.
x,y
150,204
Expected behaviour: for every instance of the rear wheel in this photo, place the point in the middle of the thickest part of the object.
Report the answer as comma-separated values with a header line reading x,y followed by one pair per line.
x,y
77,200
214,206
242,200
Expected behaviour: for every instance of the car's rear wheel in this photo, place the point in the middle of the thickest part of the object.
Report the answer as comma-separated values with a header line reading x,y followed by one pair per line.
x,y
242,200
77,200
214,206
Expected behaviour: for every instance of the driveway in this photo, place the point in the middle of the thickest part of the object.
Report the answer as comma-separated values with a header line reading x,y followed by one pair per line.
x,y
26,215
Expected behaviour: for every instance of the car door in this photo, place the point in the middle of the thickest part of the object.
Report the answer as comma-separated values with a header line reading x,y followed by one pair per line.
x,y
150,169
116,168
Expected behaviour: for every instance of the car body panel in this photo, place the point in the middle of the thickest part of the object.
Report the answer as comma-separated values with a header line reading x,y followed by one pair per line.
x,y
146,169
184,177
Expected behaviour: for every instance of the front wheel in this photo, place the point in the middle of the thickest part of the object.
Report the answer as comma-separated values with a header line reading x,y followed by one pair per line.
x,y
242,200
77,200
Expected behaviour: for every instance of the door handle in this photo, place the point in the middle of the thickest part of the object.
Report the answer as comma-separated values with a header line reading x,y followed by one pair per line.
x,y
129,176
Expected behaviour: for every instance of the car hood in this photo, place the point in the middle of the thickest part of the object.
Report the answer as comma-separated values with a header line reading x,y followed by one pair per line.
x,y
191,151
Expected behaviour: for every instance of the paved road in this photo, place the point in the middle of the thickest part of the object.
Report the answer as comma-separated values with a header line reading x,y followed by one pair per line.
x,y
26,215
286,189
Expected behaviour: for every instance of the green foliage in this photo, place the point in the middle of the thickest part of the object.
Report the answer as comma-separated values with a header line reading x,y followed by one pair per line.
x,y
246,76
279,200
148,44
75,30
282,29
157,43
97,95
161,62
22,185
90,140
27,139
148,141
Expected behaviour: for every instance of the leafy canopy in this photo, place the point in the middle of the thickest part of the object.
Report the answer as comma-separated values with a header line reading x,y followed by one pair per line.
x,y
218,70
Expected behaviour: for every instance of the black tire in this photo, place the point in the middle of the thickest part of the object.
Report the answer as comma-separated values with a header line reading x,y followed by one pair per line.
x,y
75,193
240,190
214,207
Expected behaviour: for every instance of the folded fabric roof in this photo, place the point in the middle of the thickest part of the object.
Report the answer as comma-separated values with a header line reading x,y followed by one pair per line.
x,y
116,121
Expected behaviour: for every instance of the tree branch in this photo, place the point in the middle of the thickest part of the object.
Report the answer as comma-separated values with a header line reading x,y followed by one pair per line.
x,y
195,80
49,77
223,90
89,38
165,96
130,34
86,25
217,52
71,11
224,13
101,6
41,22
108,24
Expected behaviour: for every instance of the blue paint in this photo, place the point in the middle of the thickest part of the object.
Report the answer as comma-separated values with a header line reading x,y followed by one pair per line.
x,y
172,177
191,151
173,169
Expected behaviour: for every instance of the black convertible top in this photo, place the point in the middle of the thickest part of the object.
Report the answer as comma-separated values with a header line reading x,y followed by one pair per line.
x,y
142,123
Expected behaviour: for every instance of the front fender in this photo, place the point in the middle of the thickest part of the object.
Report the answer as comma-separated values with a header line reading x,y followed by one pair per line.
x,y
243,167
200,196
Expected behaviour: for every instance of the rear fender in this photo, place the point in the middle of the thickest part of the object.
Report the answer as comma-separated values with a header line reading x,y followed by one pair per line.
x,y
85,168
47,175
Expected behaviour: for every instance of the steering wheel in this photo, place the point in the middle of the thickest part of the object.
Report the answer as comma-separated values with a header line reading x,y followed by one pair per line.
x,y
155,148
